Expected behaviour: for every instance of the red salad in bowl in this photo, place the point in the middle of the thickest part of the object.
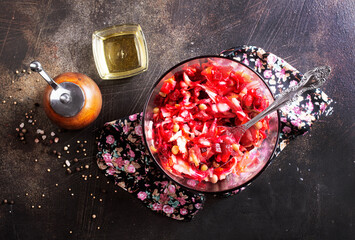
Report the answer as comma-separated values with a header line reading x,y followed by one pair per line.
x,y
187,119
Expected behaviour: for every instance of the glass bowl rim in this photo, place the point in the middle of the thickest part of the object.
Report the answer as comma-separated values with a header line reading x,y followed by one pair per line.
x,y
164,171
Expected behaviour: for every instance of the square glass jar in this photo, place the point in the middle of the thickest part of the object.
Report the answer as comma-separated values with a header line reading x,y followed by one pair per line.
x,y
120,51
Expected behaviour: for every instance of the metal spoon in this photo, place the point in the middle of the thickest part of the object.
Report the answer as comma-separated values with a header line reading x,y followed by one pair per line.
x,y
310,80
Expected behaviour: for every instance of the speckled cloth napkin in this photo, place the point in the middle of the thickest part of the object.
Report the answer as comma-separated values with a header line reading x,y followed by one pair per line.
x,y
122,154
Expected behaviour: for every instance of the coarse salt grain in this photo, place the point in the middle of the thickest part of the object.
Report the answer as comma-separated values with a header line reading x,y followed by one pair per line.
x,y
67,163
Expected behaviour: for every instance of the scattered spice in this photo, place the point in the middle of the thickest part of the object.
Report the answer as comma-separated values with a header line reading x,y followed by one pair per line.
x,y
68,170
40,131
93,216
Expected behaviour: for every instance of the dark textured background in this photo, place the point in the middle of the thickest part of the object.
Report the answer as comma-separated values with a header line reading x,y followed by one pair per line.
x,y
278,205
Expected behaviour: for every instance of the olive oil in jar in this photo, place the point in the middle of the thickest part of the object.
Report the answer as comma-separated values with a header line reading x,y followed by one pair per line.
x,y
120,51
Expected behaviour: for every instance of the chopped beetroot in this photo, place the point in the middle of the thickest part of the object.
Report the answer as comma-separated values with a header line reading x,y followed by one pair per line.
x,y
194,105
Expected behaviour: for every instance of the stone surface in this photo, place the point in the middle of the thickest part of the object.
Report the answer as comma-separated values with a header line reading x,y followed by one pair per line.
x,y
314,202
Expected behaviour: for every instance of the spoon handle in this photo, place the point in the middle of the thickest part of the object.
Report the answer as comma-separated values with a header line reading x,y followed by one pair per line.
x,y
310,80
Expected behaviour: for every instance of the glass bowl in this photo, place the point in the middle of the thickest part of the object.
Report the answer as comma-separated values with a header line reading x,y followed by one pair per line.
x,y
232,181
120,51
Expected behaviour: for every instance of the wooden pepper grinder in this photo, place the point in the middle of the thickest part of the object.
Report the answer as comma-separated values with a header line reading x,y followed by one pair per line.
x,y
72,100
